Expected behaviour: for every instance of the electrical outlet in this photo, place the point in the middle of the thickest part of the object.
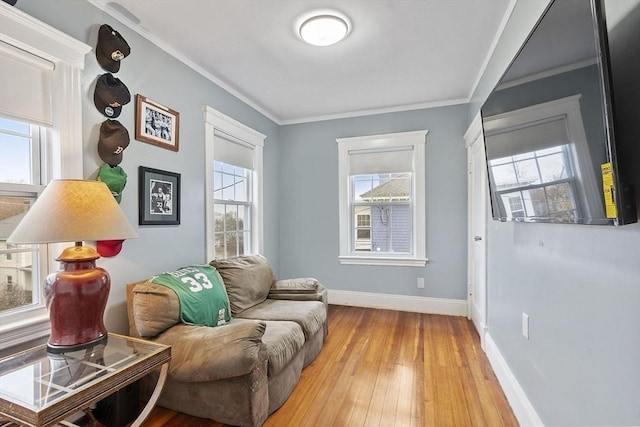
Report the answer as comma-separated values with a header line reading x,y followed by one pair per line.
x,y
525,325
420,282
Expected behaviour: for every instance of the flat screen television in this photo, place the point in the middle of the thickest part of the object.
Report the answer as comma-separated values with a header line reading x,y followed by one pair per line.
x,y
562,126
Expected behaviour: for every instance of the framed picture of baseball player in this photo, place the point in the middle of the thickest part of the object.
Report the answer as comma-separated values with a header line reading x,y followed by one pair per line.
x,y
158,197
157,124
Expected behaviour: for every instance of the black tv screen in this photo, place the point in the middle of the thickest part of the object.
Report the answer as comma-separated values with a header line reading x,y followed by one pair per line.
x,y
561,127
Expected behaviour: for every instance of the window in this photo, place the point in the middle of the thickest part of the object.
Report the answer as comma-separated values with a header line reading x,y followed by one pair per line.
x,y
22,178
231,209
233,187
382,203
41,72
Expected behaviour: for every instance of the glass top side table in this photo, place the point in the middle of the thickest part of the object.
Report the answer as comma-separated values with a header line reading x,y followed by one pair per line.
x,y
40,389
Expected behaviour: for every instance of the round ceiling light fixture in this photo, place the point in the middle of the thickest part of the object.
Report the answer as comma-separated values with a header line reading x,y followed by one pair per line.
x,y
324,28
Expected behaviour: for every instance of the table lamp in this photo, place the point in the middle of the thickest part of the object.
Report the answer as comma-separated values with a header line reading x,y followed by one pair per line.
x,y
76,295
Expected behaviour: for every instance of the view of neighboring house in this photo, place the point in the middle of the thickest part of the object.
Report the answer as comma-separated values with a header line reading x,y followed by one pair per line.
x,y
383,223
16,284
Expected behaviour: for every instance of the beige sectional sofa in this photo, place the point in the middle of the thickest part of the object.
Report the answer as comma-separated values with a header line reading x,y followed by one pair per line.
x,y
241,372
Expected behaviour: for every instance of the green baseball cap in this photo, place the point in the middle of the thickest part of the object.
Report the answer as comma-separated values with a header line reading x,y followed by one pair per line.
x,y
115,177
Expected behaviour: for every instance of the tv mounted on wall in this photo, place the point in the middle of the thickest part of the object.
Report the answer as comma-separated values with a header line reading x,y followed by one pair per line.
x,y
562,126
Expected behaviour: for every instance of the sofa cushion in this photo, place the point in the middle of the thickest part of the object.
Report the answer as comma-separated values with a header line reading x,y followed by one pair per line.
x,y
310,315
155,308
284,340
247,279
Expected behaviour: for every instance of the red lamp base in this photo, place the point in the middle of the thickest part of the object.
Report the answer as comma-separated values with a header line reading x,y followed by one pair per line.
x,y
76,297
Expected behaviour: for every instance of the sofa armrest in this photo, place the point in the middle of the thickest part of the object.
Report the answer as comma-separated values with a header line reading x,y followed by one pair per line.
x,y
202,353
291,288
304,289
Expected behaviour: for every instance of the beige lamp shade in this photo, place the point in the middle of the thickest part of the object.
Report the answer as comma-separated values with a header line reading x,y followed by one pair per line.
x,y
73,211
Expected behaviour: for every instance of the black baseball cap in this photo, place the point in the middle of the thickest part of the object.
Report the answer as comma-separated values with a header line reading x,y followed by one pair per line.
x,y
111,48
110,95
113,140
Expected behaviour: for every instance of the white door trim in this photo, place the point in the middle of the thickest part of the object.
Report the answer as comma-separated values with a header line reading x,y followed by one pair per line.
x,y
476,298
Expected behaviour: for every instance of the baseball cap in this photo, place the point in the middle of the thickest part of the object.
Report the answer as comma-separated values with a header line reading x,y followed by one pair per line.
x,y
109,248
111,48
110,95
113,140
116,179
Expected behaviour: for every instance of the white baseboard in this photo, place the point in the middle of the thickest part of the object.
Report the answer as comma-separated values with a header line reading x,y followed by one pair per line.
x,y
479,322
520,404
451,307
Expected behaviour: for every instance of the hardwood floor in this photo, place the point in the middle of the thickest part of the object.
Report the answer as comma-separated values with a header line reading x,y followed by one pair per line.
x,y
388,368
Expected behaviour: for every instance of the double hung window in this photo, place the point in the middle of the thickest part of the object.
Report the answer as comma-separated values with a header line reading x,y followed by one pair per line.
x,y
231,209
40,72
382,208
22,178
234,187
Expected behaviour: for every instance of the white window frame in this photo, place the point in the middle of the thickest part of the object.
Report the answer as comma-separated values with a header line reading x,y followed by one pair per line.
x,y
216,121
387,142
24,32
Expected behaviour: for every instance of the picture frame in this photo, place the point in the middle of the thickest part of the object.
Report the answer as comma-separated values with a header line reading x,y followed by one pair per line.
x,y
158,197
156,124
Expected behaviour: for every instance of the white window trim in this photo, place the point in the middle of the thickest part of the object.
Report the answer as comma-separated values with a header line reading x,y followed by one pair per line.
x,y
416,139
215,121
22,31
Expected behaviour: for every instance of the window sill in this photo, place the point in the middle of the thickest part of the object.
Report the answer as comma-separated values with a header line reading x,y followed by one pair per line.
x,y
383,260
18,332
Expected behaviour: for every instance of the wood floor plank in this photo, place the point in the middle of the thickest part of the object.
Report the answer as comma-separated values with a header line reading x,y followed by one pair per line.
x,y
388,368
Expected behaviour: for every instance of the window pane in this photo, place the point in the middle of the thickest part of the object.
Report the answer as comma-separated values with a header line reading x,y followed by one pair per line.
x,y
15,159
527,172
362,235
560,198
230,219
362,186
217,185
219,246
391,228
504,176
241,243
14,126
227,187
218,214
240,190
553,167
227,168
18,280
242,218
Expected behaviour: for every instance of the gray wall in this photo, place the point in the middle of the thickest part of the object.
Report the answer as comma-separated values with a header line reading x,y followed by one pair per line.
x,y
579,284
309,240
153,73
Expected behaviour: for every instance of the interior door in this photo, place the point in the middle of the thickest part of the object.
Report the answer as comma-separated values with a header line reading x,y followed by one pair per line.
x,y
477,245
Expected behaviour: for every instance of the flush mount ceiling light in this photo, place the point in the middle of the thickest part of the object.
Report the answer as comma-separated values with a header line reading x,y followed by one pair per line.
x,y
324,28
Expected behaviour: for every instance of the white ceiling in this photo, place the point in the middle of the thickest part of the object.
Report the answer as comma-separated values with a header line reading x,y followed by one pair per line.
x,y
400,54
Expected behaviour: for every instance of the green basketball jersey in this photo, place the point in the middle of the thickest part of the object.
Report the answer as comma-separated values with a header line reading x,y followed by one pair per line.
x,y
203,297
